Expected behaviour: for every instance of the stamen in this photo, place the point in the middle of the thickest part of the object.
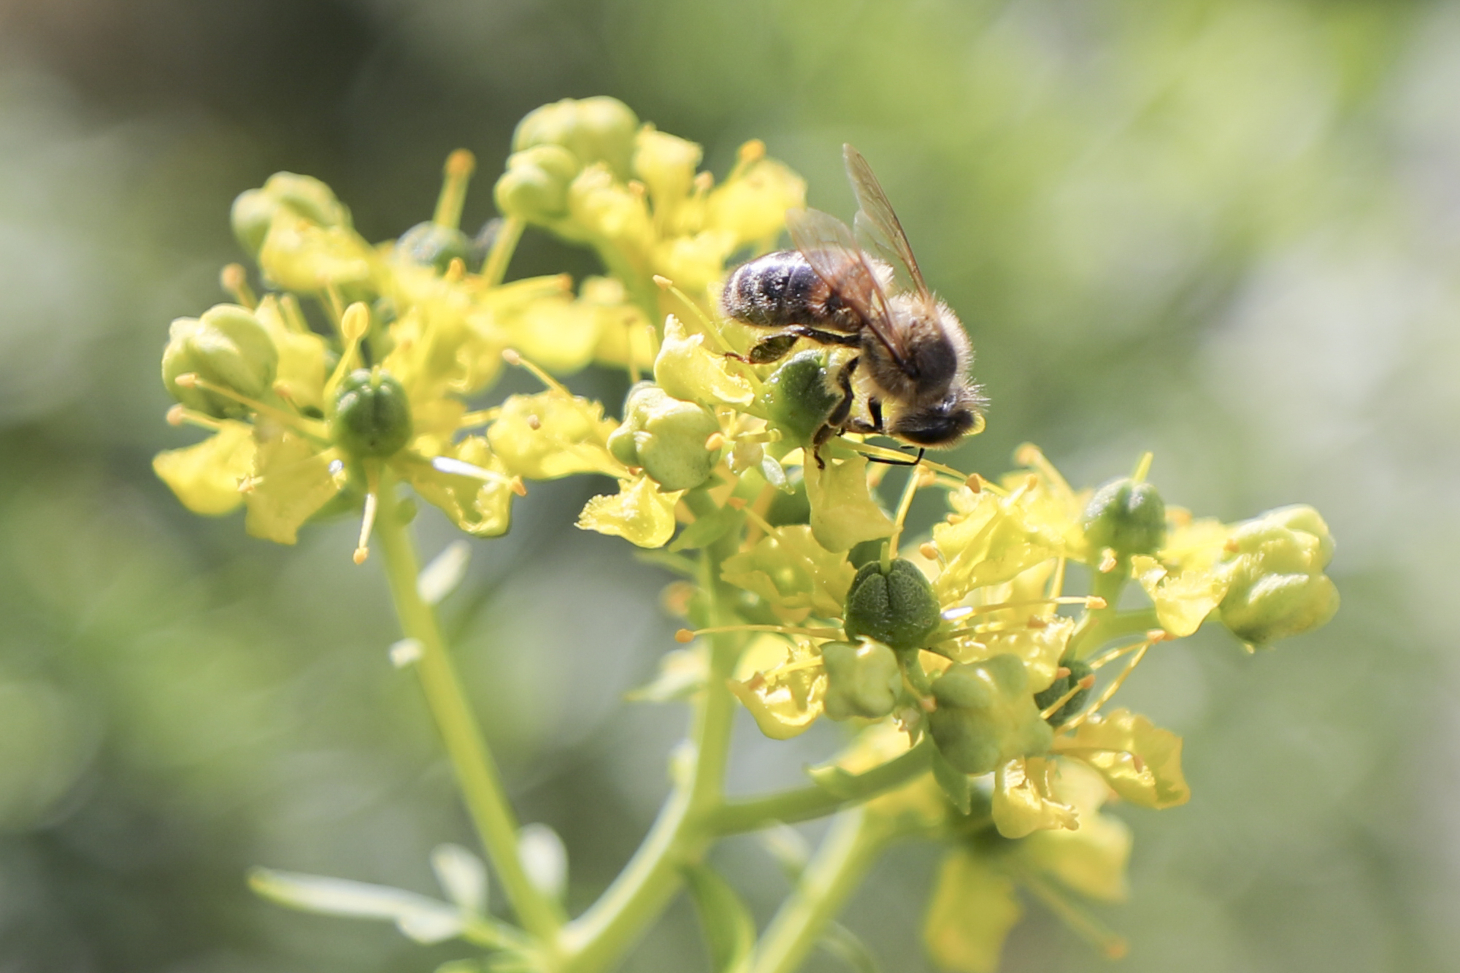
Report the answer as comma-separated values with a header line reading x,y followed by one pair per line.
x,y
703,182
512,357
714,442
1084,925
916,478
963,611
1057,580
456,467
974,483
235,281
180,415
481,417
354,323
1058,704
685,636
455,271
458,171
1143,467
1107,561
709,326
1141,648
307,427
1031,456
293,314
930,551
494,268
367,522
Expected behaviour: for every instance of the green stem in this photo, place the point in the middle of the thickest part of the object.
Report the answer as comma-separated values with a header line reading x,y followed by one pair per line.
x,y
476,772
833,874
598,938
494,268
806,803
1102,625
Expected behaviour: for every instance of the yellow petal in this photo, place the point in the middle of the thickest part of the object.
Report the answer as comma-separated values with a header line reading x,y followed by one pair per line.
x,y
206,476
551,434
971,912
1183,601
687,370
1091,859
292,480
992,539
481,506
1023,800
779,688
793,573
638,513
1140,761
843,513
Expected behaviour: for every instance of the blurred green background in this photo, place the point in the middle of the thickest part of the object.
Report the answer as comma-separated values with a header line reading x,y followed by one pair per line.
x,y
1225,231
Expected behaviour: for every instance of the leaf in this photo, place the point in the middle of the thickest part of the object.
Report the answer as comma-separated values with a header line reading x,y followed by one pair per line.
x,y
423,919
205,476
682,673
971,912
729,929
463,877
788,847
441,577
292,480
544,859
848,947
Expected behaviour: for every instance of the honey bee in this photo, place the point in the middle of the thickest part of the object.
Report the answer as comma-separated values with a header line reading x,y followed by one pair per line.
x,y
911,367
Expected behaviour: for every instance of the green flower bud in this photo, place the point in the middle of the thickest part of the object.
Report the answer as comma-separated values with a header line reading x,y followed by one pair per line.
x,y
431,244
1278,587
1127,517
986,715
801,394
1078,670
535,185
862,680
305,196
227,347
371,415
600,129
897,608
666,437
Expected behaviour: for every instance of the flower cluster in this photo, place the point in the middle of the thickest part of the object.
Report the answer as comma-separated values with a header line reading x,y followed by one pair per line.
x,y
356,370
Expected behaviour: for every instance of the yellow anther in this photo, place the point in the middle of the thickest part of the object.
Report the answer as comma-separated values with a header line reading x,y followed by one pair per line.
x,y
176,415
534,423
752,151
235,281
355,322
1107,561
1095,602
714,441
928,550
663,283
684,636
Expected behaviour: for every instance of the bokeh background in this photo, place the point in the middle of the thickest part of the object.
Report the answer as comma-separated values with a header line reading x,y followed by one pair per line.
x,y
1223,230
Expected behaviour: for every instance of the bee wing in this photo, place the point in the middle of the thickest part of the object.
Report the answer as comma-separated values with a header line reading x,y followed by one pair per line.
x,y
878,223
831,250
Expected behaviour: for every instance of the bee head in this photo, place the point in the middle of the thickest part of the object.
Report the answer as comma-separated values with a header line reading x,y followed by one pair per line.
x,y
940,425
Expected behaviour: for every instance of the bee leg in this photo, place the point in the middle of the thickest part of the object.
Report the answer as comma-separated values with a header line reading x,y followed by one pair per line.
x,y
771,349
836,420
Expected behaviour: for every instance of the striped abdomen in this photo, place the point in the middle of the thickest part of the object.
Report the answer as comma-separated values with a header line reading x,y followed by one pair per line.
x,y
781,289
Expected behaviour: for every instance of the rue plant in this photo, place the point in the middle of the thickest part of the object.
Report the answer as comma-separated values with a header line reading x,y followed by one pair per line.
x,y
976,687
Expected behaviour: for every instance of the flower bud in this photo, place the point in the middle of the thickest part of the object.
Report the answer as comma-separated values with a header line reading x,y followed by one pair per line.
x,y
535,186
862,680
371,415
897,608
986,715
666,437
1126,516
1063,684
305,196
433,245
227,347
1278,587
600,129
801,394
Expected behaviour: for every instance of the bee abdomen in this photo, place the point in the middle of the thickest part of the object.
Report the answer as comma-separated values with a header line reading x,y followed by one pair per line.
x,y
776,290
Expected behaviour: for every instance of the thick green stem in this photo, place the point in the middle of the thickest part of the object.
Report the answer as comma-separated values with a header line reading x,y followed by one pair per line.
x,y
476,772
816,801
834,873
597,939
